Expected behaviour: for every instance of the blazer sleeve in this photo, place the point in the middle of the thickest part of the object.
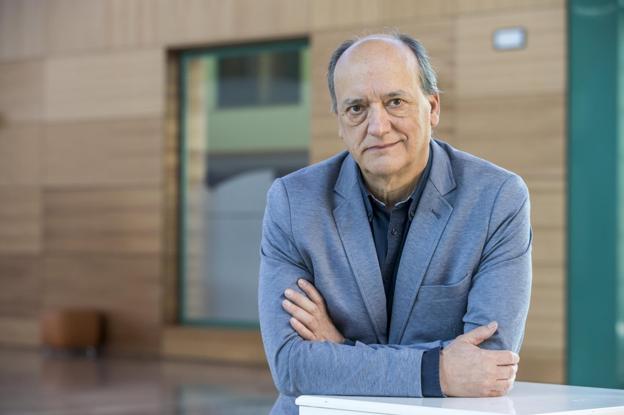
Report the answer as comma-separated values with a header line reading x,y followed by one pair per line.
x,y
323,368
501,286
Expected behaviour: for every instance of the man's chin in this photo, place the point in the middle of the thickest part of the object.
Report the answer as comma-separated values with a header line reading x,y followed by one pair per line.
x,y
382,170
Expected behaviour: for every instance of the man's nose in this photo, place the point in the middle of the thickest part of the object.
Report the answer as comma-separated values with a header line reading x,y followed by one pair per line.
x,y
378,122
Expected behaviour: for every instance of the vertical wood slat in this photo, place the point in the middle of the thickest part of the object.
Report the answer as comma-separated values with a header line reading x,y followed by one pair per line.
x,y
122,221
22,29
114,85
126,152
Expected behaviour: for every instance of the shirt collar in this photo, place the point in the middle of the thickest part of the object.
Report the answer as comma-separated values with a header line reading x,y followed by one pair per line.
x,y
414,197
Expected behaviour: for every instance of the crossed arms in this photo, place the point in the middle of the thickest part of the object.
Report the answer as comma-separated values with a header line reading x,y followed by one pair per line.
x,y
306,356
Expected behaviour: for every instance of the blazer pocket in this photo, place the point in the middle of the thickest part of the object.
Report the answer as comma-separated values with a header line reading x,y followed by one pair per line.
x,y
445,292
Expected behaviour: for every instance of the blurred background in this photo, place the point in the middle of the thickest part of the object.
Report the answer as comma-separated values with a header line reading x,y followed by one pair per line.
x,y
138,139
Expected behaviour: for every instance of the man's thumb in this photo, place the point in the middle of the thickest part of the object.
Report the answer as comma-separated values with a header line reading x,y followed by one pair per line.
x,y
480,334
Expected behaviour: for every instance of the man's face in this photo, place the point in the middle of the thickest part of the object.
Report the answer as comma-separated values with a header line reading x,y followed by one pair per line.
x,y
384,117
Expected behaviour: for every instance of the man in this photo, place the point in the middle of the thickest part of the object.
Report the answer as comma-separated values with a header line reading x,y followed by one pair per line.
x,y
401,267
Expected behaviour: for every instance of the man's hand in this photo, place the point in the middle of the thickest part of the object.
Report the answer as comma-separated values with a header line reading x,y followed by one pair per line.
x,y
467,370
309,314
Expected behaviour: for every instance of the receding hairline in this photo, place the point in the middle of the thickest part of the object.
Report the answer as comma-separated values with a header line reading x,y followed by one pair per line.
x,y
379,37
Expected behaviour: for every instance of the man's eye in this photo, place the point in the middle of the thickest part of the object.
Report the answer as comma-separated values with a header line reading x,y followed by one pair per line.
x,y
355,109
395,102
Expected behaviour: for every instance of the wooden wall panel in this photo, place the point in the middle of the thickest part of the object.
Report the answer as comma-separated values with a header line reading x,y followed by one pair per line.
x,y
111,153
21,84
133,23
404,10
20,154
19,331
22,29
106,221
358,13
240,346
204,22
125,288
75,25
525,134
20,277
20,220
121,85
480,6
536,70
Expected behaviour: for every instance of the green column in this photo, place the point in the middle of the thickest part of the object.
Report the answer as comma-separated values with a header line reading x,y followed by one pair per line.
x,y
595,250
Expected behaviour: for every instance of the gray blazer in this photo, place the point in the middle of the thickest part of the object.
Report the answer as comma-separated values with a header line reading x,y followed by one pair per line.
x,y
466,261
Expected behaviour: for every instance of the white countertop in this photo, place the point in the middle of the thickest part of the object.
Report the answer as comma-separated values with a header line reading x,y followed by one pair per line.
x,y
525,399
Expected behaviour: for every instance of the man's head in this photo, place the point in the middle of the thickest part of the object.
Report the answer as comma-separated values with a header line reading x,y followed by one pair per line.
x,y
384,93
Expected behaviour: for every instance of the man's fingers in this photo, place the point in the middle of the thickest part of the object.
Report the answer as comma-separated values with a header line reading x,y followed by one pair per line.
x,y
311,291
297,312
301,329
480,334
300,300
506,372
504,386
505,357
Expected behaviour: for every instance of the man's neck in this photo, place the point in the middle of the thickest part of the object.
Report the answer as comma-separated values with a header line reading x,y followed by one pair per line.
x,y
393,189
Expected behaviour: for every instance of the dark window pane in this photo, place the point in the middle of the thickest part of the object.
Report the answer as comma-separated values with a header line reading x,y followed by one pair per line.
x,y
238,81
267,78
285,78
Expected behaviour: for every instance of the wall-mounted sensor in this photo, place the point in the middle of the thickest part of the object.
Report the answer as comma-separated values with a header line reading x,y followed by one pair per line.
x,y
509,38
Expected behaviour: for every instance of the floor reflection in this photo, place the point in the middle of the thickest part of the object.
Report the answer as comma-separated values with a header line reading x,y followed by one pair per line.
x,y
31,383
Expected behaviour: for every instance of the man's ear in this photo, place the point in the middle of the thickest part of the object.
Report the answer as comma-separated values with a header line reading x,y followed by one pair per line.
x,y
434,104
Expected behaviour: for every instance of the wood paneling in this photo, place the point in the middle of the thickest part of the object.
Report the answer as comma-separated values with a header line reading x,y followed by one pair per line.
x,y
121,221
538,69
21,84
115,85
125,288
19,331
498,129
240,346
22,29
548,204
112,153
75,25
19,154
187,22
360,13
133,23
20,220
20,277
401,10
480,6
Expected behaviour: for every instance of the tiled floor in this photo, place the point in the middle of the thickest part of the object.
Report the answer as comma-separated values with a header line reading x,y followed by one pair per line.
x,y
31,383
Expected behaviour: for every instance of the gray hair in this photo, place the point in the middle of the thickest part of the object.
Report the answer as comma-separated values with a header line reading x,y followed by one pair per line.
x,y
427,75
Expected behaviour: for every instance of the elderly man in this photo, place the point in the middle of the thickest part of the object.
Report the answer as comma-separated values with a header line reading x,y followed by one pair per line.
x,y
401,267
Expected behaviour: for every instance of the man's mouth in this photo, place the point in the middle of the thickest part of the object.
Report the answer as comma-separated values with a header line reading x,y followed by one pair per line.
x,y
382,146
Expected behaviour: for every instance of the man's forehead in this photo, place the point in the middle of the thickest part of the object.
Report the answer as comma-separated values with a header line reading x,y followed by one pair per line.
x,y
381,46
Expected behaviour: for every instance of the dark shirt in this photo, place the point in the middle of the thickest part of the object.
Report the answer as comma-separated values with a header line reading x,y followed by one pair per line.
x,y
389,227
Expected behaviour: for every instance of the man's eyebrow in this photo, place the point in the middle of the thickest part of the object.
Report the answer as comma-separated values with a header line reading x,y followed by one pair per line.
x,y
352,101
397,93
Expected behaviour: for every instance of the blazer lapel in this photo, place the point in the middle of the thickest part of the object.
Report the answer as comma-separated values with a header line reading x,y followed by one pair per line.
x,y
354,230
429,221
